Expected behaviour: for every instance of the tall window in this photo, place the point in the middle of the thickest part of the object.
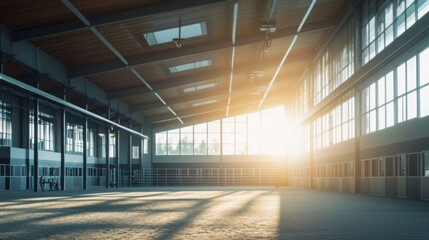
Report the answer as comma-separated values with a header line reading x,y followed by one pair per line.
x,y
335,125
252,133
5,123
411,79
200,139
383,23
145,146
74,143
161,143
46,129
90,141
136,152
424,82
213,137
336,63
112,145
228,136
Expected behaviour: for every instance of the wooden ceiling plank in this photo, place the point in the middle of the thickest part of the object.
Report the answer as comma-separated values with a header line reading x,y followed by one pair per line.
x,y
108,18
197,49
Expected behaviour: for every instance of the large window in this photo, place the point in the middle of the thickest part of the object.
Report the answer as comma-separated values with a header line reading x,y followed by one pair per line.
x,y
90,141
411,79
385,22
336,63
74,143
213,137
46,129
253,133
5,124
336,125
200,139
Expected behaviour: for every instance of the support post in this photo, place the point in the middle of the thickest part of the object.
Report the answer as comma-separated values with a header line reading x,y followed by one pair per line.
x,y
85,150
130,161
36,145
107,151
117,156
63,150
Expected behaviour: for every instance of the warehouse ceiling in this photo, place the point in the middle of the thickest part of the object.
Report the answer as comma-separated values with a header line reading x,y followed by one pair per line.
x,y
224,60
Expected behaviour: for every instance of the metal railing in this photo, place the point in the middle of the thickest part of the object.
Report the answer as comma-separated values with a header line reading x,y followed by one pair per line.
x,y
206,177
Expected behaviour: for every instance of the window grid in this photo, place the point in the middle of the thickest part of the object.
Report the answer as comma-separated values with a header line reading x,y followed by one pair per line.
x,y
382,24
398,96
5,123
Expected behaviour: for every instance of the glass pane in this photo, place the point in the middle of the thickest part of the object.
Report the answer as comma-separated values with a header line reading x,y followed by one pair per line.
x,y
401,109
373,121
411,74
200,128
389,35
401,79
200,144
214,126
412,105
424,69
411,16
381,92
424,101
423,8
400,24
372,93
389,87
390,115
381,118
388,13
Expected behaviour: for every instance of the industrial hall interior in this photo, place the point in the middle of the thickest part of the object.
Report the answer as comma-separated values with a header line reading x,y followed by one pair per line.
x,y
252,112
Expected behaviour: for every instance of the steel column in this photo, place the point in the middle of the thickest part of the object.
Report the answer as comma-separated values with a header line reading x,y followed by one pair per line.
x,y
130,160
36,145
85,152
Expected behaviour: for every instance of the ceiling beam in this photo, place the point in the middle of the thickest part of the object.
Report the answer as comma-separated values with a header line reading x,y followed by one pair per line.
x,y
216,93
199,77
108,18
215,115
195,49
221,106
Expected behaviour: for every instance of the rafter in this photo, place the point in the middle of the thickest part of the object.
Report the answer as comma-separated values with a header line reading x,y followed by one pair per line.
x,y
196,111
194,49
108,18
199,77
216,93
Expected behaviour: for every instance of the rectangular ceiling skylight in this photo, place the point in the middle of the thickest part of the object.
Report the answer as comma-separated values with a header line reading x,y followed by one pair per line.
x,y
199,87
204,103
190,66
167,35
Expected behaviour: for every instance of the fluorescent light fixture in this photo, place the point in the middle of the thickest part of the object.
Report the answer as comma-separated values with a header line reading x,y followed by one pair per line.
x,y
295,37
204,103
304,19
234,22
160,99
199,87
190,66
171,110
167,35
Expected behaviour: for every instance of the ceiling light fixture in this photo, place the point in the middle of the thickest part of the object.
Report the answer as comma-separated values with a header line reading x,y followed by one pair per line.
x,y
295,37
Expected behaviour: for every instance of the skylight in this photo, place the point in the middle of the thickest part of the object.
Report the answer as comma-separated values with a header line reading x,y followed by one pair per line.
x,y
167,35
199,87
190,66
204,103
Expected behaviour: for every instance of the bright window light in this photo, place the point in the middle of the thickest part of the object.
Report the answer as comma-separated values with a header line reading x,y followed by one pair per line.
x,y
199,87
204,103
167,35
190,66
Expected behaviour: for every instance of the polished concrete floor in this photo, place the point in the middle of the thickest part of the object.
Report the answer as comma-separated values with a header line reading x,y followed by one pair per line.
x,y
209,213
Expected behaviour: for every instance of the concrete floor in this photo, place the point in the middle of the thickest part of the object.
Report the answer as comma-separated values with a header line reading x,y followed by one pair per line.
x,y
209,213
